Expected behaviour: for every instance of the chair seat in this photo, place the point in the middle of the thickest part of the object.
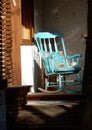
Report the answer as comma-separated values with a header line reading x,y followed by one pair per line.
x,y
68,70
65,71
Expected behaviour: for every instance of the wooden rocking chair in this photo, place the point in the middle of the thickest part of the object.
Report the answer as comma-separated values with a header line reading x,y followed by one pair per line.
x,y
56,62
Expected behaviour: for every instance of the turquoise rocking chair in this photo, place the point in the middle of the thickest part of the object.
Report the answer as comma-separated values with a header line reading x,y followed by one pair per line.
x,y
56,62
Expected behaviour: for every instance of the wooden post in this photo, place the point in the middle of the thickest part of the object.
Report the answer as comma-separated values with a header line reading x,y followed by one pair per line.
x,y
16,41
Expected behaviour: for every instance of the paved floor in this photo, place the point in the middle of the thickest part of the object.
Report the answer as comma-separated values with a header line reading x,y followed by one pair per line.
x,y
64,115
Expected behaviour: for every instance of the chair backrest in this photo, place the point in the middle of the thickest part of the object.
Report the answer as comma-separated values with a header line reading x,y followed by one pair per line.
x,y
51,45
50,42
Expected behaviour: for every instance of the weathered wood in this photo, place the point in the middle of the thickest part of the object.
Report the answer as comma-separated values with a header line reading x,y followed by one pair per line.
x,y
6,41
16,41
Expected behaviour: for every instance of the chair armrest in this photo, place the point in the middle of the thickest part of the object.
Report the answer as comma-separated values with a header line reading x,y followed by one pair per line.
x,y
74,56
73,60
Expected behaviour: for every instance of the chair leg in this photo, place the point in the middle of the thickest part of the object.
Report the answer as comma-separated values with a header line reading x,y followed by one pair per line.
x,y
60,82
47,83
64,82
79,80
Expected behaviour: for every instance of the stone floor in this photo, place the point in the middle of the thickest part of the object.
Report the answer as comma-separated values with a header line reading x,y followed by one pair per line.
x,y
44,114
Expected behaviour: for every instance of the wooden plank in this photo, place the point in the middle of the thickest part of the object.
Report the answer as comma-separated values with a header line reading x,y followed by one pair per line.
x,y
16,41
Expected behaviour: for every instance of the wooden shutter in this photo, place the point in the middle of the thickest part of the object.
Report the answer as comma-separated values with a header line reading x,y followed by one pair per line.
x,y
5,41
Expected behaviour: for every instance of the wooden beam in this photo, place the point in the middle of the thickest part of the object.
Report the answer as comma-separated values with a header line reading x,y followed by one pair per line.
x,y
16,41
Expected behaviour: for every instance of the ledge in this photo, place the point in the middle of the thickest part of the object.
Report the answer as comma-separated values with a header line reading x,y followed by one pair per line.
x,y
15,100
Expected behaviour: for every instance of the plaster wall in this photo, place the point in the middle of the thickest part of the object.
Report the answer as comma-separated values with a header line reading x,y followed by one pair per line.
x,y
38,18
70,18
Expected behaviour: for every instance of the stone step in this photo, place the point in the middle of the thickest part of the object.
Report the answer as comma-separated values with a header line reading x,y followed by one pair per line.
x,y
54,96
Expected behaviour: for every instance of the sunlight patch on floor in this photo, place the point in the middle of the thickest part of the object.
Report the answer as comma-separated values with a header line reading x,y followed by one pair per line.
x,y
52,102
52,108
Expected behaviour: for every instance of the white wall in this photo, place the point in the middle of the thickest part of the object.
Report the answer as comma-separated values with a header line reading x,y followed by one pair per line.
x,y
30,66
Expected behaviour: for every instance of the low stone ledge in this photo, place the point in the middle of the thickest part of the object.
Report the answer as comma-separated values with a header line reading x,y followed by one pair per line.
x,y
15,100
